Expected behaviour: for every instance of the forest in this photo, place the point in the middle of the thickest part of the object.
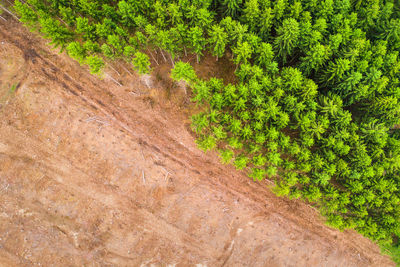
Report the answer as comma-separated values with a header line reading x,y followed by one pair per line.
x,y
315,106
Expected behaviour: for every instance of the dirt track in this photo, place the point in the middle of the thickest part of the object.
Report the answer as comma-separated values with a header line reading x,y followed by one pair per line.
x,y
96,174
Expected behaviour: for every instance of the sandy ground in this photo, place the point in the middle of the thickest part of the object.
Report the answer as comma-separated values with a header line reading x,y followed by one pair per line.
x,y
97,174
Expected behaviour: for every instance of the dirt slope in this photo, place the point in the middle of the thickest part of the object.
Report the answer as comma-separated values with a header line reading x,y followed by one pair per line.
x,y
97,174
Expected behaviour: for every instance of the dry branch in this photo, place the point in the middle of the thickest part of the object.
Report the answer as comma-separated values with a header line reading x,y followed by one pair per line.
x,y
114,80
9,12
144,179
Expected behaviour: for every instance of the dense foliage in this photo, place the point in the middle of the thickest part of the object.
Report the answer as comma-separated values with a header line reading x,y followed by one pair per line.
x,y
316,103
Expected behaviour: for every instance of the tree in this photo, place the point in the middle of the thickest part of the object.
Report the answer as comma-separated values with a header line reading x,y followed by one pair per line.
x,y
242,52
183,71
257,174
336,70
127,12
163,41
52,29
266,22
76,51
235,126
274,158
68,15
206,143
141,63
116,43
315,58
271,171
129,51
217,101
219,132
281,189
95,63
247,132
331,104
182,29
287,38
83,27
282,120
27,15
201,92
108,51
203,18
251,14
279,9
197,41
241,162
292,79
230,93
231,7
392,33
104,29
218,40
175,44
91,47
238,32
200,122
90,8
226,156
175,13
265,54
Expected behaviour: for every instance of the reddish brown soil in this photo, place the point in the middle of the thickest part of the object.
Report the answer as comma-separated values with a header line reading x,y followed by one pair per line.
x,y
96,174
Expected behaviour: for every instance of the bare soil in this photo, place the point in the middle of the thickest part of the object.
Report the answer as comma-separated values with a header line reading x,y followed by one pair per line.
x,y
97,174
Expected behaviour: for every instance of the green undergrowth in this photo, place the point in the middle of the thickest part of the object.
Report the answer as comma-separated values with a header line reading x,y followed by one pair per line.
x,y
393,251
316,105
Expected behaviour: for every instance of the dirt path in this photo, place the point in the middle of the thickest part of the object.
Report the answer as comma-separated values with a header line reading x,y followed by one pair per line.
x,y
96,174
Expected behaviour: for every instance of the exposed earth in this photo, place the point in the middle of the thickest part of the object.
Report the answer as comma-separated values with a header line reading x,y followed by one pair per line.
x,y
96,173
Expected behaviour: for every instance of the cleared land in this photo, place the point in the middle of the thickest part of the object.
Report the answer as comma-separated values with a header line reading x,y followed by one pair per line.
x,y
96,174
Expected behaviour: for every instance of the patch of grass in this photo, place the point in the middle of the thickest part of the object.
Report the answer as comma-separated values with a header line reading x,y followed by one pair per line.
x,y
393,251
13,88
